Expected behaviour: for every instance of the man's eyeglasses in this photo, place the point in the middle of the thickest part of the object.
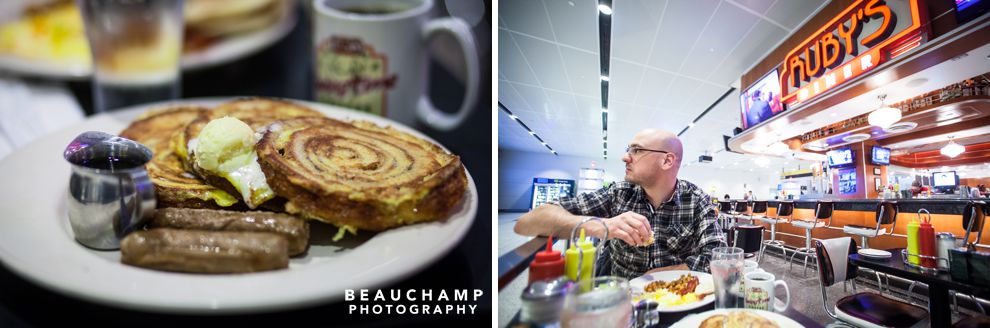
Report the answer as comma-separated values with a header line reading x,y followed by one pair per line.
x,y
633,151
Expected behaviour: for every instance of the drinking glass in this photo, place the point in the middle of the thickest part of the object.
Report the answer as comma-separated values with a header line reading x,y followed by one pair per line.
x,y
136,46
727,267
598,302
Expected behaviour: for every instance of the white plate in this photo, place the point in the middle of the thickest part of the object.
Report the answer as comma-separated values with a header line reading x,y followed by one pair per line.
x,y
694,320
37,243
705,285
874,253
223,51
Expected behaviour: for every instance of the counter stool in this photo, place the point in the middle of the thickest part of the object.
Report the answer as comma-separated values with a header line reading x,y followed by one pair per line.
x,y
823,212
973,219
757,210
722,220
784,211
886,213
862,309
739,209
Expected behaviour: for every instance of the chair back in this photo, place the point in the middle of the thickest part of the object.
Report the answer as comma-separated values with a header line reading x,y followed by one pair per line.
x,y
785,209
974,216
886,212
759,206
741,206
833,260
823,210
724,207
748,237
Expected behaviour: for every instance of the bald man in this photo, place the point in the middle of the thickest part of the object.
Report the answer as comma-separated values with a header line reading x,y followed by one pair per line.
x,y
656,222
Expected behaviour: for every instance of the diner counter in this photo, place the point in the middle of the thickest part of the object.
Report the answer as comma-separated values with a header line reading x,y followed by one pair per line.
x,y
946,216
913,205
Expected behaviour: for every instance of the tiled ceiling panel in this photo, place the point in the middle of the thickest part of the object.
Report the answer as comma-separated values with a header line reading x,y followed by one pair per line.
x,y
671,59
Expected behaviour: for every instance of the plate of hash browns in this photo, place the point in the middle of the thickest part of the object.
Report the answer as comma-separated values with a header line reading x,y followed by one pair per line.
x,y
674,291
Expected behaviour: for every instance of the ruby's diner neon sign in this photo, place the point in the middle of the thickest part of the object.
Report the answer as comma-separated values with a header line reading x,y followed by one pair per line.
x,y
857,40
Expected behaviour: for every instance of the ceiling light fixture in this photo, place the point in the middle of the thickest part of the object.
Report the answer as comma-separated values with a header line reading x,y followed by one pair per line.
x,y
525,127
605,9
952,149
884,116
761,161
777,148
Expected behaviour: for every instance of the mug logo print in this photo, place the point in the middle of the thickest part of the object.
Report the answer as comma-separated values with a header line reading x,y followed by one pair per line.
x,y
757,298
351,74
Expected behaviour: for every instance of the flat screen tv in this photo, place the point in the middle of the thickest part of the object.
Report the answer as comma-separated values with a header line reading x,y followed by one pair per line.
x,y
841,157
945,179
881,156
966,10
761,101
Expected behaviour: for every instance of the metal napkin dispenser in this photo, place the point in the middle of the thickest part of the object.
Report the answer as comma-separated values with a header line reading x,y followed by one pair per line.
x,y
966,263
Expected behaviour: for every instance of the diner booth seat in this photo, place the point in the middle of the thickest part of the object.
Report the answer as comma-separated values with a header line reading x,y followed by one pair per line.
x,y
864,309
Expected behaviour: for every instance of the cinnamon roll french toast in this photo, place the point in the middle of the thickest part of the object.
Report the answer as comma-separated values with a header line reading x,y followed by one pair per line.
x,y
358,175
174,186
230,137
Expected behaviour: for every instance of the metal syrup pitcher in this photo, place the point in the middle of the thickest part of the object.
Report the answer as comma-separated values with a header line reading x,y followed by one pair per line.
x,y
110,193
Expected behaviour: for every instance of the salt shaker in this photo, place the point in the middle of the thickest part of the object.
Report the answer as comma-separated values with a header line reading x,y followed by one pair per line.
x,y
945,241
543,300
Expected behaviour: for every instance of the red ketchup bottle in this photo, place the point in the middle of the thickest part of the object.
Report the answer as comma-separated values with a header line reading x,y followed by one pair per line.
x,y
548,264
926,242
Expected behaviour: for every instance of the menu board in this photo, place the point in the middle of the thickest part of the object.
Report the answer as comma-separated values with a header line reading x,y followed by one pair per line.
x,y
847,181
550,190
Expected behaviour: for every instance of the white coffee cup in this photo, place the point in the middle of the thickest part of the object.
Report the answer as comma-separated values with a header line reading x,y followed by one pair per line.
x,y
748,266
760,287
371,55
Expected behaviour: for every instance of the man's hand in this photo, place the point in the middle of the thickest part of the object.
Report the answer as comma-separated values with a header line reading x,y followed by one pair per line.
x,y
630,227
669,268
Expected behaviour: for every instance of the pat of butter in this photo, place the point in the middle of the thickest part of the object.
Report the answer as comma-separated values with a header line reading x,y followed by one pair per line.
x,y
225,147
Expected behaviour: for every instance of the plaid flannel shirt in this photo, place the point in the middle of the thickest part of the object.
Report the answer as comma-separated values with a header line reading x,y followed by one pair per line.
x,y
684,228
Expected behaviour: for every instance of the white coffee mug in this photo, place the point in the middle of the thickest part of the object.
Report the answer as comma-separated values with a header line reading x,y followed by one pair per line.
x,y
371,55
748,266
760,287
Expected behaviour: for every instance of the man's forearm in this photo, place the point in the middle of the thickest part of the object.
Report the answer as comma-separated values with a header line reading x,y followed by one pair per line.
x,y
548,219
681,266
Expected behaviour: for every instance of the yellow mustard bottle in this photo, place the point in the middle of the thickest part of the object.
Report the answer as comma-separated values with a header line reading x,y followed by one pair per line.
x,y
583,251
913,242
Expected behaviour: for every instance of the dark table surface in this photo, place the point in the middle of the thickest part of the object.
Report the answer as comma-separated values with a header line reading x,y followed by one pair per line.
x,y
668,319
939,283
284,70
895,266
